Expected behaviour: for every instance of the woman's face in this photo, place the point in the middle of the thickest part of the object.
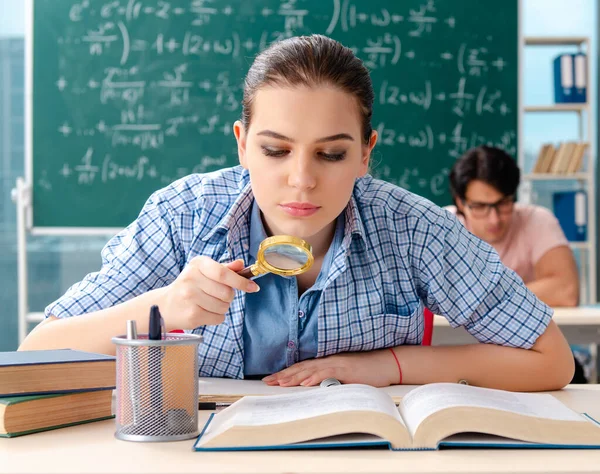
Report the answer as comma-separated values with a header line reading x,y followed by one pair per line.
x,y
303,151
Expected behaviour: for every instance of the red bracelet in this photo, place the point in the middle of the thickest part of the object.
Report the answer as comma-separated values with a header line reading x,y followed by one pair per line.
x,y
397,363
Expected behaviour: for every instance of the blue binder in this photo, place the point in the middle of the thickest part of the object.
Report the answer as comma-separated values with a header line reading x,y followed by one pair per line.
x,y
570,78
570,208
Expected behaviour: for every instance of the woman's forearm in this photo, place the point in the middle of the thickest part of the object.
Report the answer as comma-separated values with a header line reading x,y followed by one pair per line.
x,y
487,365
92,332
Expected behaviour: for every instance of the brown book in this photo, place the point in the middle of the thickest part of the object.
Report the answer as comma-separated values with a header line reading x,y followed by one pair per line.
x,y
577,158
559,157
567,157
55,371
29,414
548,159
537,167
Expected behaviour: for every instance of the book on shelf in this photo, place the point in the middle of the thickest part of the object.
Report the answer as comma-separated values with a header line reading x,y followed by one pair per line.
x,y
570,209
576,161
566,158
55,371
427,418
570,78
28,414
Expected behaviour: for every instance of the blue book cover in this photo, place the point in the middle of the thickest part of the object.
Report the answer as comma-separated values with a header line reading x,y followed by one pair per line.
x,y
429,417
570,208
54,356
563,79
570,78
580,77
367,441
26,372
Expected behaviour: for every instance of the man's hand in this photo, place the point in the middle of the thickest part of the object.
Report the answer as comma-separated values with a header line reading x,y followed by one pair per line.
x,y
376,368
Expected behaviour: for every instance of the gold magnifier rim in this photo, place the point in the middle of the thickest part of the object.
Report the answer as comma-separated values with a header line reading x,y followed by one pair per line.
x,y
264,266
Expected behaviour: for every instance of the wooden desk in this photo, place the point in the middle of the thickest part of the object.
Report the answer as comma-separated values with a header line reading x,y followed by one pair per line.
x,y
580,325
92,448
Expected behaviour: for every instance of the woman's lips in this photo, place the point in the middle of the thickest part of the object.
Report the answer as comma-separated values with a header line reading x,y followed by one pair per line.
x,y
299,209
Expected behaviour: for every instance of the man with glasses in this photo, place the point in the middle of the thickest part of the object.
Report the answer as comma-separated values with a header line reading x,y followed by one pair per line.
x,y
528,238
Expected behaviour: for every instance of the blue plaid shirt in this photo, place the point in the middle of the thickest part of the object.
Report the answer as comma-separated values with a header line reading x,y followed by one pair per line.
x,y
399,254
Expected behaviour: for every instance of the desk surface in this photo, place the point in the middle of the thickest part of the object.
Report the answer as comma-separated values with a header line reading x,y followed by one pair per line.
x,y
92,448
577,316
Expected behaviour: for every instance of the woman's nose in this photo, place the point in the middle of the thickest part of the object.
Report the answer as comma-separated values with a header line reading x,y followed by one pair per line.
x,y
302,173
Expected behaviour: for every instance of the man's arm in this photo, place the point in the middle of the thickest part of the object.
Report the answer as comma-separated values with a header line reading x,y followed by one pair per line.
x,y
556,279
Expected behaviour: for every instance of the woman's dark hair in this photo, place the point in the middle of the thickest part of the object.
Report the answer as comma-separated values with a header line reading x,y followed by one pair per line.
x,y
491,165
310,61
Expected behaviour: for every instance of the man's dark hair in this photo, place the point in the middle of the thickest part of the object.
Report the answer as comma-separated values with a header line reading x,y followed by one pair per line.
x,y
491,165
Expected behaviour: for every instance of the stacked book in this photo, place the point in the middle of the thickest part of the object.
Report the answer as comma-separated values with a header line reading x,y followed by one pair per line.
x,y
44,390
566,158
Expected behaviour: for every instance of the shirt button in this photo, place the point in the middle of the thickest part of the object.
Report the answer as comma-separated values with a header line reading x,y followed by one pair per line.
x,y
300,314
291,344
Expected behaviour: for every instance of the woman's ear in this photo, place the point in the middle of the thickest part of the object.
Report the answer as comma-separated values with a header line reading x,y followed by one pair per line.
x,y
240,136
366,157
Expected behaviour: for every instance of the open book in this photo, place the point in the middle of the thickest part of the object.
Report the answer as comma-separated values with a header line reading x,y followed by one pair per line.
x,y
430,416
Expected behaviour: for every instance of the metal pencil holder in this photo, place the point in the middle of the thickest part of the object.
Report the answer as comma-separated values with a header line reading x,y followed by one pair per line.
x,y
157,388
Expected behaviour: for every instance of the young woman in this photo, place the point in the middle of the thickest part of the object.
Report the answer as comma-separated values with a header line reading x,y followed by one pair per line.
x,y
382,255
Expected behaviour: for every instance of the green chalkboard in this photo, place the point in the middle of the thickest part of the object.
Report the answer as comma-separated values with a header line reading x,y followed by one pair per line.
x,y
129,95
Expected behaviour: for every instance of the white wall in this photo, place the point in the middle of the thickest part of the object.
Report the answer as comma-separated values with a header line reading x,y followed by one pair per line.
x,y
12,18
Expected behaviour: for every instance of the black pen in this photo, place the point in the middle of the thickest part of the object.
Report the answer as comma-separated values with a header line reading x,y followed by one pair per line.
x,y
155,334
212,405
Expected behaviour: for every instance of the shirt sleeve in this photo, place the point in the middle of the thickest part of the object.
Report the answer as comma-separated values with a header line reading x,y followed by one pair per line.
x,y
462,278
543,229
144,256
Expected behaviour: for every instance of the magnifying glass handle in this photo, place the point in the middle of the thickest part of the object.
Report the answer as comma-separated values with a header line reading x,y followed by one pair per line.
x,y
246,272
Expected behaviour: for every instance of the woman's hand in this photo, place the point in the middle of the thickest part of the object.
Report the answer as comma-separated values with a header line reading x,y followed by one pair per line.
x,y
376,368
202,293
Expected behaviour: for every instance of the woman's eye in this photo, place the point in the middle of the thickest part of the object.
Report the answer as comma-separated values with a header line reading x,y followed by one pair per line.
x,y
333,156
276,152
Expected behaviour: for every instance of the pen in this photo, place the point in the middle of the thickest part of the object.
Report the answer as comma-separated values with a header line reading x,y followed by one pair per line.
x,y
154,326
155,334
212,405
133,367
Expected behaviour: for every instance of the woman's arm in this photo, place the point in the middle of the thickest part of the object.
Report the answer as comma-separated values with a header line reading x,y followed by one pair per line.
x,y
91,332
548,365
200,296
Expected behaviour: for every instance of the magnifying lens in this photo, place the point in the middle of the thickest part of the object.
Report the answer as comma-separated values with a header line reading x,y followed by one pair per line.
x,y
281,254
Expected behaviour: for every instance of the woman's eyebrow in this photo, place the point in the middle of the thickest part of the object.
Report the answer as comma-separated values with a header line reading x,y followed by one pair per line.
x,y
279,136
332,138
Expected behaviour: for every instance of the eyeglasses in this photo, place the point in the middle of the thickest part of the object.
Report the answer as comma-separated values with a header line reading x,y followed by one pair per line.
x,y
482,209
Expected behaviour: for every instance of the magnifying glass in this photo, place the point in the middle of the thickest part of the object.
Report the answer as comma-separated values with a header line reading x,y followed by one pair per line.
x,y
281,254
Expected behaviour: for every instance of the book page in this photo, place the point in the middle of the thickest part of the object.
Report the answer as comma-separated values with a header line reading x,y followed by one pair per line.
x,y
274,409
428,399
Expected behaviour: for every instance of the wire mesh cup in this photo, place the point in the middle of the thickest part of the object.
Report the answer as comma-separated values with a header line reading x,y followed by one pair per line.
x,y
157,387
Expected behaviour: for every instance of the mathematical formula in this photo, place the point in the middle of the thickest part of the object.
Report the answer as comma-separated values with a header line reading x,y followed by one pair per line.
x,y
152,86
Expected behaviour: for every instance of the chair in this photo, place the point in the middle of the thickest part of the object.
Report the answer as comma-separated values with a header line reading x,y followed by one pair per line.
x,y
428,332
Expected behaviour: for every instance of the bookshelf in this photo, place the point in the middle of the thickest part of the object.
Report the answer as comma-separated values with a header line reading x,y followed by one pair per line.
x,y
579,108
583,178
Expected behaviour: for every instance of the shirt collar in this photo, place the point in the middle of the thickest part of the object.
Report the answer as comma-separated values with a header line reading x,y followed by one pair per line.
x,y
353,225
257,230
